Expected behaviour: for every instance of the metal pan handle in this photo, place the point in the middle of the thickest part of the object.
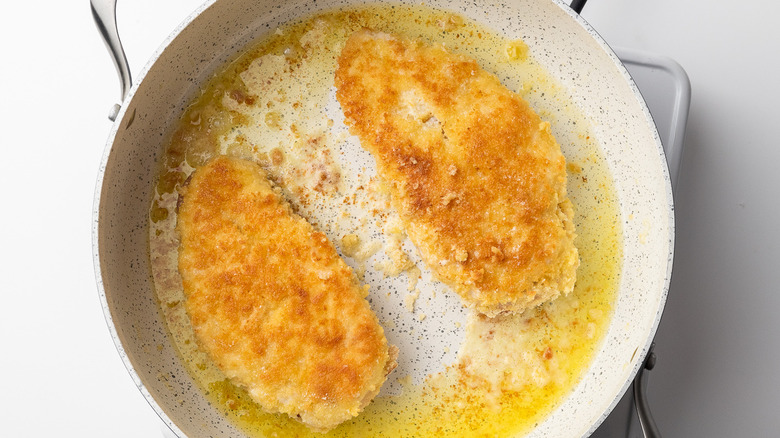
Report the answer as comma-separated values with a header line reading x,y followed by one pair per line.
x,y
104,13
577,5
646,421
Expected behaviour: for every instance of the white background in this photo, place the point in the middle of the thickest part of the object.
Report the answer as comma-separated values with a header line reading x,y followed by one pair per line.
x,y
718,346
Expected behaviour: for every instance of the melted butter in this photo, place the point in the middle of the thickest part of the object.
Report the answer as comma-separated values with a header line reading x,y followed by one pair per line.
x,y
267,106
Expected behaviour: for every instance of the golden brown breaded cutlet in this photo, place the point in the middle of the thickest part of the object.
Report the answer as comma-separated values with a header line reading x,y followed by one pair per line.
x,y
271,301
476,176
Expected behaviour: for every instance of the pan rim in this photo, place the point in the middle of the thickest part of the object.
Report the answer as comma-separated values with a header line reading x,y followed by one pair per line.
x,y
175,33
670,207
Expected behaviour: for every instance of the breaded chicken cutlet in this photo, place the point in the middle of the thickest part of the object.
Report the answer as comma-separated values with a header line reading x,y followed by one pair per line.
x,y
476,176
271,301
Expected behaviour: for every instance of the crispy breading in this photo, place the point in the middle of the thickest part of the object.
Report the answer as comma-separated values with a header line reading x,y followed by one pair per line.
x,y
475,174
272,302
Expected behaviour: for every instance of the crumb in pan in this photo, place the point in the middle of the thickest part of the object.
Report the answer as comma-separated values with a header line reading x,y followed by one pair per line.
x,y
271,301
476,176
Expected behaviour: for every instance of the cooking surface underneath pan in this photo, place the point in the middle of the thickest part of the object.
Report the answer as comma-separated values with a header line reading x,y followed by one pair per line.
x,y
276,105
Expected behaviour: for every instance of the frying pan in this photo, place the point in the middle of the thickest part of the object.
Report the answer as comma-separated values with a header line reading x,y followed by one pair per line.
x,y
565,45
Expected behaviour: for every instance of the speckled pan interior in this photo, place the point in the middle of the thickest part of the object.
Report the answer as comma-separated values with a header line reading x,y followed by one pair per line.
x,y
561,41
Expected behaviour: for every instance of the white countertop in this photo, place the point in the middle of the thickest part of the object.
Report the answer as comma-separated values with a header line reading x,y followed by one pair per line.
x,y
718,344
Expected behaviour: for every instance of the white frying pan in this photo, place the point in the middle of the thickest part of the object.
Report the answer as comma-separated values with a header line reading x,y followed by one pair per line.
x,y
572,52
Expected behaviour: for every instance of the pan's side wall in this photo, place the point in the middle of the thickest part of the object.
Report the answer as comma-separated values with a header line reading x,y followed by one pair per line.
x,y
603,90
599,87
573,53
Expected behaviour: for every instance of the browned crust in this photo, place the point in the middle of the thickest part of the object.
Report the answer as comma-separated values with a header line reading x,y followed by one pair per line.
x,y
476,176
272,302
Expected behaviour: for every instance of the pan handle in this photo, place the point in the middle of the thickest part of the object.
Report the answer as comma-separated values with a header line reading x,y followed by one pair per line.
x,y
104,13
646,421
577,5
